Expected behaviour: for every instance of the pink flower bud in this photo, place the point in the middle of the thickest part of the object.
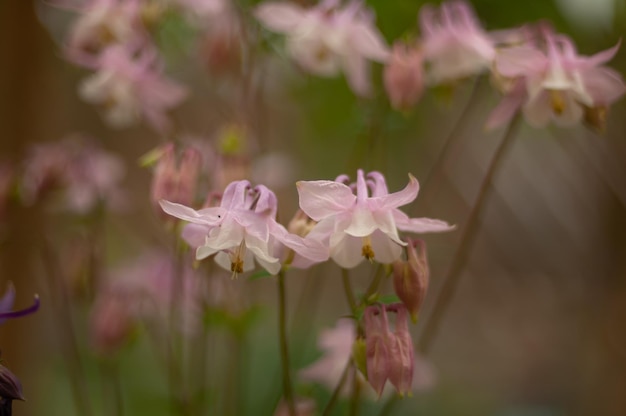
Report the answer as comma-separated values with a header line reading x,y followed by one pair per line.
x,y
377,346
175,183
402,357
111,322
404,76
410,277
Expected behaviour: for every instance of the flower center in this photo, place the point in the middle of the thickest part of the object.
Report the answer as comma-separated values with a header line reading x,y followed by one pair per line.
x,y
558,102
366,250
236,259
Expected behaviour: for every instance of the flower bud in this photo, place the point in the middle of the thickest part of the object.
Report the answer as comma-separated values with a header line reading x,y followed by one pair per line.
x,y
377,347
111,322
10,386
402,356
403,76
410,277
172,182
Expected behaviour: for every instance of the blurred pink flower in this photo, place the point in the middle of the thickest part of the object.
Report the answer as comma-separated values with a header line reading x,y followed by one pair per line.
x,y
102,23
453,42
86,174
362,225
327,39
130,86
336,343
551,82
243,229
404,76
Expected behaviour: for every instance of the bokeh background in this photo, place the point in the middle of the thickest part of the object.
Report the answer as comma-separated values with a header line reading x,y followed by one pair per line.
x,y
536,327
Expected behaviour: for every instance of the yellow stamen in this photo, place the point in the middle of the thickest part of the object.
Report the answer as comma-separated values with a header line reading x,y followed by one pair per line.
x,y
558,102
236,259
367,250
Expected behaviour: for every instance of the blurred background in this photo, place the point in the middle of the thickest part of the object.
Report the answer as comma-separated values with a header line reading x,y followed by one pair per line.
x,y
536,326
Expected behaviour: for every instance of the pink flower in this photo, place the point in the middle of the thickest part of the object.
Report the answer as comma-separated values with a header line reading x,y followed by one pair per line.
x,y
243,229
86,174
362,225
411,277
454,44
336,344
551,82
327,39
129,87
102,23
404,76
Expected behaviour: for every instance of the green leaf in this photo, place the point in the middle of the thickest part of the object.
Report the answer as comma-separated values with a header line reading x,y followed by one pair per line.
x,y
261,274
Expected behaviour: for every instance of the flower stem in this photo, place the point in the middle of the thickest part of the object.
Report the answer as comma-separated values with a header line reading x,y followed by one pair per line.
x,y
468,236
345,278
354,398
284,350
333,399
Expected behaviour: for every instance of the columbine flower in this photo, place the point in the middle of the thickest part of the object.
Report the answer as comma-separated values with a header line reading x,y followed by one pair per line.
x,y
86,174
243,229
102,23
327,39
364,225
551,82
404,76
454,44
6,305
131,86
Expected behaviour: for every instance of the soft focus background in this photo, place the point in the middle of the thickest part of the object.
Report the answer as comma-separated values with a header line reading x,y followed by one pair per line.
x,y
536,327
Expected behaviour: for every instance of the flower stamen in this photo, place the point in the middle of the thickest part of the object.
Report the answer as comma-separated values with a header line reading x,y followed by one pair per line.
x,y
366,250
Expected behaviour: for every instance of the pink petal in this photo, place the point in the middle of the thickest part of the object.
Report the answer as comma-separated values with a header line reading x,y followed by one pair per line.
x,y
420,225
368,42
397,199
508,106
362,224
520,61
280,17
604,85
207,216
357,73
321,199
195,234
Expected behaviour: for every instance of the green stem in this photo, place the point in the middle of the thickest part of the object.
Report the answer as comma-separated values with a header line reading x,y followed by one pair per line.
x,y
345,278
373,287
333,399
467,238
356,393
389,406
284,350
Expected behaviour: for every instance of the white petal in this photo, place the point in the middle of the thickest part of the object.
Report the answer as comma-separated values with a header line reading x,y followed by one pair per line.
x,y
385,249
320,199
346,250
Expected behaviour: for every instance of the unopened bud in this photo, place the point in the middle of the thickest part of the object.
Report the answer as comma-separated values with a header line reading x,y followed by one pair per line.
x,y
402,355
411,277
301,224
175,182
404,76
111,323
377,347
10,386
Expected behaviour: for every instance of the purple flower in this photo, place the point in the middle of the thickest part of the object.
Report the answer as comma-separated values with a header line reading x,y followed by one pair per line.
x,y
328,39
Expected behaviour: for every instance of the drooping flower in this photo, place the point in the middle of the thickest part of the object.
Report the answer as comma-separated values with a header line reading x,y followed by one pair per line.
x,y
378,347
84,174
549,81
404,76
172,181
364,225
411,277
402,354
102,23
328,39
130,86
244,229
454,44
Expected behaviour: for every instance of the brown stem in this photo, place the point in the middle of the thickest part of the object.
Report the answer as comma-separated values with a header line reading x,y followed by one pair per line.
x,y
466,243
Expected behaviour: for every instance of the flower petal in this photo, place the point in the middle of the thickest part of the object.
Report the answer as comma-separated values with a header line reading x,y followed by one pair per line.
x,y
420,225
397,199
320,199
280,17
207,216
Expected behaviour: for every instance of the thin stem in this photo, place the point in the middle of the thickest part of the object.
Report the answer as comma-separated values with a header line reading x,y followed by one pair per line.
x,y
436,172
389,406
354,398
333,399
373,287
468,236
70,348
284,350
345,278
